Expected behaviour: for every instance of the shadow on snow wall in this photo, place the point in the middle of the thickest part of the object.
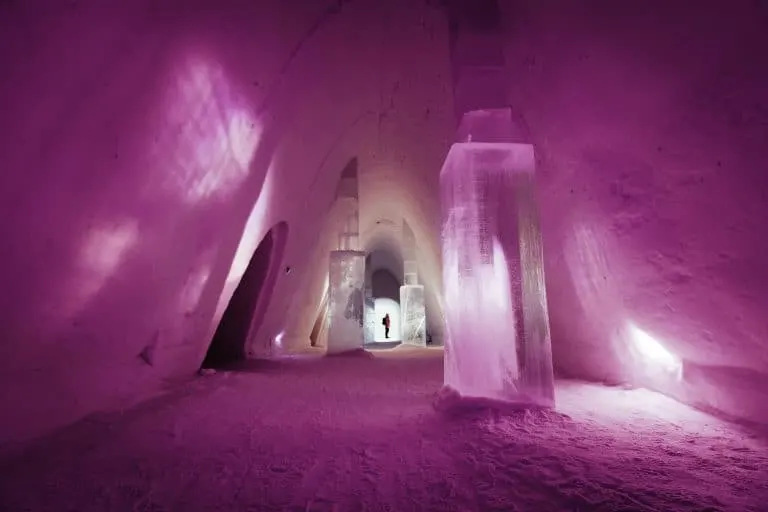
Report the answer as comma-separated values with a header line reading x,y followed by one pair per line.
x,y
248,305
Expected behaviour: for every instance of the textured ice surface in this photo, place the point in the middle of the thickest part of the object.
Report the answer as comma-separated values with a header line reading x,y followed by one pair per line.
x,y
413,315
369,318
497,343
349,234
410,272
346,278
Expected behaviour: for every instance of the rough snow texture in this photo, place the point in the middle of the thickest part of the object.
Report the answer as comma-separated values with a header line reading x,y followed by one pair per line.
x,y
650,120
296,436
126,131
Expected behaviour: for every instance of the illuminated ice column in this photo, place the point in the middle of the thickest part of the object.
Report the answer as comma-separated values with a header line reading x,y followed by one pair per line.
x,y
346,276
346,272
412,315
497,343
346,301
412,312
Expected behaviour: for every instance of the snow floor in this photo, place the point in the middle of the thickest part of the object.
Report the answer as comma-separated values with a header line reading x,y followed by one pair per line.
x,y
359,433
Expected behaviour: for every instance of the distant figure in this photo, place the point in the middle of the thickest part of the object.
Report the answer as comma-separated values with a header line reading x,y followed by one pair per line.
x,y
385,321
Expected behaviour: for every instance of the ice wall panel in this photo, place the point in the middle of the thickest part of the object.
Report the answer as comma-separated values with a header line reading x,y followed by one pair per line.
x,y
497,343
346,278
413,318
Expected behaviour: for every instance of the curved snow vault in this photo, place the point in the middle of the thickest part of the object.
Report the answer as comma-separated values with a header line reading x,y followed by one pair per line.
x,y
95,140
652,157
306,321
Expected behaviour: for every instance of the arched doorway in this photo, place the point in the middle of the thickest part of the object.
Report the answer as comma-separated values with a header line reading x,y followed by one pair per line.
x,y
385,289
386,306
248,305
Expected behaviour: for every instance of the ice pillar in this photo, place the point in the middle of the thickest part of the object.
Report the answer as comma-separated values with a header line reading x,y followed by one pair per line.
x,y
346,273
413,329
412,312
497,343
346,301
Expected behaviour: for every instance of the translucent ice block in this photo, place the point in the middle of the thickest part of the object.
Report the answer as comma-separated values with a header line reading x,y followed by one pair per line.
x,y
497,343
410,272
370,317
346,282
413,317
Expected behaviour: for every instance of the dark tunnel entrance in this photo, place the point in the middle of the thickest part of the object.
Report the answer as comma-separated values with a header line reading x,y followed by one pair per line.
x,y
249,301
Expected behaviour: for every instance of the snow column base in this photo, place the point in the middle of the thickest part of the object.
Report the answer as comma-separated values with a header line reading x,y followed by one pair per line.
x,y
346,282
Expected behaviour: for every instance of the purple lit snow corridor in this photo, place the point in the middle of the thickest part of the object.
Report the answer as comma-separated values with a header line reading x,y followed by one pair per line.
x,y
209,210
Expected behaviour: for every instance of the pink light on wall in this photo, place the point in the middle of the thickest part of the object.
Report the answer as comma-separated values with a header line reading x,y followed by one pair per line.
x,y
590,261
279,340
209,130
101,253
641,358
193,289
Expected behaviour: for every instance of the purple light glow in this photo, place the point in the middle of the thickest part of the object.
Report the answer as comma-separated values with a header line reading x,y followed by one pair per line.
x,y
278,341
657,364
643,359
203,107
101,253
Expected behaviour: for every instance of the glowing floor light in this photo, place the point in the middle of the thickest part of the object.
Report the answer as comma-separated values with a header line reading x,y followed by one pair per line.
x,y
279,339
653,352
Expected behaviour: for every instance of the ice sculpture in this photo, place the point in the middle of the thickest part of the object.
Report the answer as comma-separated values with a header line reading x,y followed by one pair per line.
x,y
346,272
410,267
369,316
412,315
497,341
345,301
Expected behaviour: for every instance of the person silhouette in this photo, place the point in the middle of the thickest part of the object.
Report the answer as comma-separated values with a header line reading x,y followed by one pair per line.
x,y
386,322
